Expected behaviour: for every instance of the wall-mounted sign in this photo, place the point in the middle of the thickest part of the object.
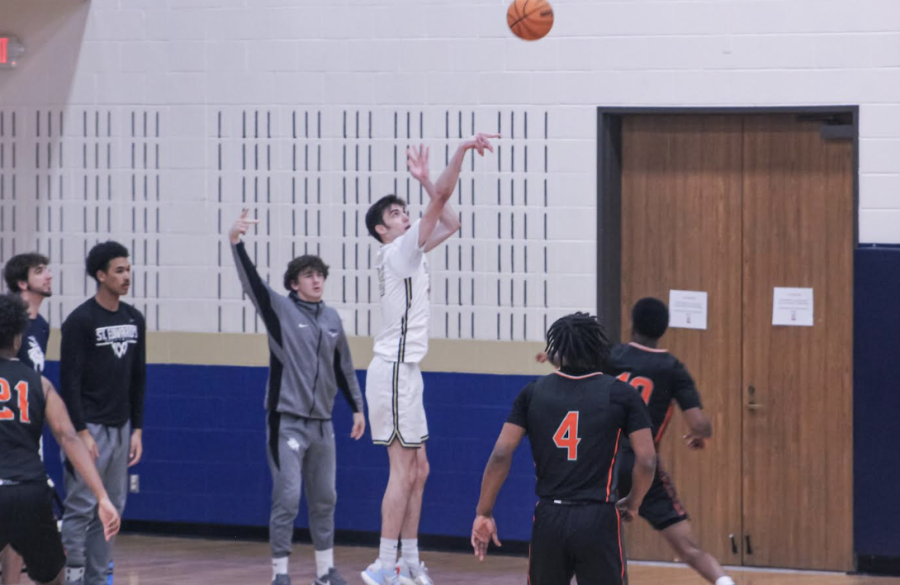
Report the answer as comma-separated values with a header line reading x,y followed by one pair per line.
x,y
687,309
792,307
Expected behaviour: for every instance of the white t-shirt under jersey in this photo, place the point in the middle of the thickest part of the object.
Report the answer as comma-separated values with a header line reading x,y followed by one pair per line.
x,y
405,299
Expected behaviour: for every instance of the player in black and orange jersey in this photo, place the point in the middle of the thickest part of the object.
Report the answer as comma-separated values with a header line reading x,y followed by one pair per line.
x,y
662,381
26,504
574,419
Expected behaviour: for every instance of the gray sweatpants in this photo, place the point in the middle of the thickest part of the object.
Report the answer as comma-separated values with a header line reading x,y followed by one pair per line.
x,y
82,532
304,449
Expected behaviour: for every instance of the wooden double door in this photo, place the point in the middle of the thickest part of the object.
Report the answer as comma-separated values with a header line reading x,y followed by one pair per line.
x,y
736,205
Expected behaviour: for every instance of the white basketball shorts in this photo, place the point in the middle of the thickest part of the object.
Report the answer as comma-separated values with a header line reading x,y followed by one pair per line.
x,y
394,398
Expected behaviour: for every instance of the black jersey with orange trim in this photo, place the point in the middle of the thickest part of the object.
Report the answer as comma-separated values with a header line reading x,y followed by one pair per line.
x,y
660,379
22,404
574,425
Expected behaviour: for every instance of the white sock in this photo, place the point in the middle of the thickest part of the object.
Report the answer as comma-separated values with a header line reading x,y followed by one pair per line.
x,y
726,580
409,548
74,574
279,566
324,561
388,552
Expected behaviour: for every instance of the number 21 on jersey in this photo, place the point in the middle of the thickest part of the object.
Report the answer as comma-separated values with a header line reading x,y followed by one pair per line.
x,y
6,395
566,436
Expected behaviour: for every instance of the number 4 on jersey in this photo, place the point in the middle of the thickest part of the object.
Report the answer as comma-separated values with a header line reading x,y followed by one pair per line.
x,y
566,436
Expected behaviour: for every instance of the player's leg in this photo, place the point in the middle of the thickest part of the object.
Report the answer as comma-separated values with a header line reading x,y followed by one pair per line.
x,y
401,481
412,570
36,536
548,559
681,538
11,566
286,447
663,510
80,512
321,496
596,544
413,428
113,445
383,382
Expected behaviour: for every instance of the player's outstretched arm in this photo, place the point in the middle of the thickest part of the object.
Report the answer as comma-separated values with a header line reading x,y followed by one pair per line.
x,y
443,189
77,453
642,474
484,529
448,222
254,286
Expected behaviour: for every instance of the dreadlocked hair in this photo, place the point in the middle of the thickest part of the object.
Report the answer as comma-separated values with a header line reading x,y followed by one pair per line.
x,y
578,343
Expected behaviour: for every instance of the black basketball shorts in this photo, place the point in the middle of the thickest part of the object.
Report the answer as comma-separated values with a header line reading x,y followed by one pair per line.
x,y
27,523
581,540
661,507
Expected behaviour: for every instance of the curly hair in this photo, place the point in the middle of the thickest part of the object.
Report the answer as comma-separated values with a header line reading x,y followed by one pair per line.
x,y
578,342
101,255
13,319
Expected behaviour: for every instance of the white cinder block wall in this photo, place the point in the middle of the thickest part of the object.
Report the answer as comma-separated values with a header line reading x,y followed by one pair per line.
x,y
155,121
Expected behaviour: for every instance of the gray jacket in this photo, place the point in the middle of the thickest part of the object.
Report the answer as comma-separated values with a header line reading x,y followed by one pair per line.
x,y
309,358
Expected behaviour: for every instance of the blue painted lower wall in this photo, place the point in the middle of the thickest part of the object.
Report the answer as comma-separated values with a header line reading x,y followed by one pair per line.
x,y
876,402
205,459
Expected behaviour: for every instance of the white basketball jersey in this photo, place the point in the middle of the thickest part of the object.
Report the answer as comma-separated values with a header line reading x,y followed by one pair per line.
x,y
405,299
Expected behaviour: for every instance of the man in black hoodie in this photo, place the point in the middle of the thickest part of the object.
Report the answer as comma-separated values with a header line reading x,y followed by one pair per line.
x,y
309,359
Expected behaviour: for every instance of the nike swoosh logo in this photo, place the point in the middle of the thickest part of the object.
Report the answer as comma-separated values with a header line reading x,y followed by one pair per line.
x,y
301,325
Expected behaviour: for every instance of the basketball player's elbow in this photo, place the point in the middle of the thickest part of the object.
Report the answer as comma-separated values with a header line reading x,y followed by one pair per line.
x,y
501,457
65,436
646,462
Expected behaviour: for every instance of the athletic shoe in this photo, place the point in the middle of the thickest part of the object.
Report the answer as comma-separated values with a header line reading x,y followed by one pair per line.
x,y
412,575
377,574
282,579
332,578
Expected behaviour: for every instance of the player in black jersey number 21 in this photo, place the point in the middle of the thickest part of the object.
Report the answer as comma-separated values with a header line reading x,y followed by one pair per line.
x,y
26,504
574,419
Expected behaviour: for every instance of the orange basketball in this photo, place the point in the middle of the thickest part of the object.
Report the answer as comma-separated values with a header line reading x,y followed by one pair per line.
x,y
530,19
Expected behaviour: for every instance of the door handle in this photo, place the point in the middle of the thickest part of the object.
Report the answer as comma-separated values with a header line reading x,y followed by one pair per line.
x,y
752,404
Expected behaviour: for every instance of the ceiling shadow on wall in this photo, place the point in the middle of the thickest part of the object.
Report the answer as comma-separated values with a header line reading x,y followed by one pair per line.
x,y
52,32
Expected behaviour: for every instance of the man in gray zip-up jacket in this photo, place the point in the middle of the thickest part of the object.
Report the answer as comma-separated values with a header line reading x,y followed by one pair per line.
x,y
309,359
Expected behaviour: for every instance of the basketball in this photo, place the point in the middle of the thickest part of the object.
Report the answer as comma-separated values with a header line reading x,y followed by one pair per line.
x,y
530,20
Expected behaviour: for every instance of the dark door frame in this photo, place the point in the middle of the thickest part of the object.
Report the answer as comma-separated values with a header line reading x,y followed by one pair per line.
x,y
838,122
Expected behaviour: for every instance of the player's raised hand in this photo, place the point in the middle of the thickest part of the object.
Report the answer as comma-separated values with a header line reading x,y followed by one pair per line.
x,y
241,226
480,142
484,530
417,162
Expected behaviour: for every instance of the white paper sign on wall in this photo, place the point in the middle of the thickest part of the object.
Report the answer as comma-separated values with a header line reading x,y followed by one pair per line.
x,y
792,307
687,309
